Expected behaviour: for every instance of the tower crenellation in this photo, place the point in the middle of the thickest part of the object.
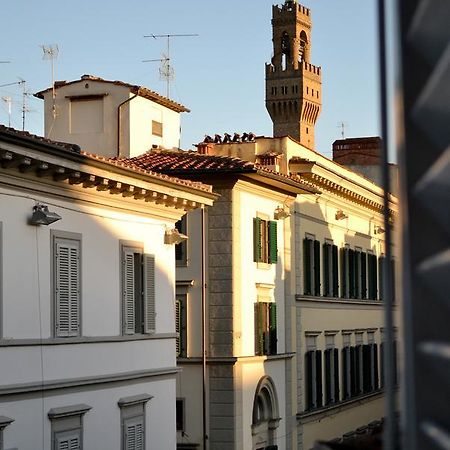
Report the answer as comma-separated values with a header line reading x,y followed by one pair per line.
x,y
293,84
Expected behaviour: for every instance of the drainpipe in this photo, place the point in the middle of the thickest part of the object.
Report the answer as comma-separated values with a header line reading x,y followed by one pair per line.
x,y
119,122
203,277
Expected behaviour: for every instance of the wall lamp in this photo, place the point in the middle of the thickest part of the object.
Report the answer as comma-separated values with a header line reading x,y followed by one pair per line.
x,y
340,215
42,216
378,229
280,213
173,236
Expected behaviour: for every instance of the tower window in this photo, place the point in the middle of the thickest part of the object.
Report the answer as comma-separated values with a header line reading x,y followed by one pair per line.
x,y
307,90
312,92
307,130
317,94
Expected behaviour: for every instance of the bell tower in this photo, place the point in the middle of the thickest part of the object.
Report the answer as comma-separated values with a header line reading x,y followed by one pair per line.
x,y
293,84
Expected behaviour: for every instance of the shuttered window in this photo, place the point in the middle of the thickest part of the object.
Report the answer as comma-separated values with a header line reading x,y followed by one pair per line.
x,y
133,437
313,379
138,291
345,272
265,328
331,376
372,269
67,269
346,373
265,245
68,441
180,324
330,270
311,266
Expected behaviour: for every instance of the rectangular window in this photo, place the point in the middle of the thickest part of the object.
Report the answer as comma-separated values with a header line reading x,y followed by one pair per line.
x,y
330,270
67,284
347,372
313,379
265,328
180,324
86,115
345,272
331,376
311,266
138,288
180,414
372,269
181,248
157,128
265,241
132,411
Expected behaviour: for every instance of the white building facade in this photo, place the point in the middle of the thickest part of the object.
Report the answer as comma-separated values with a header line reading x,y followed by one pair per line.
x,y
87,335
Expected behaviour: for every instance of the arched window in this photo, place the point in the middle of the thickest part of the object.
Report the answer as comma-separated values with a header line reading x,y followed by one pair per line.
x,y
265,416
303,45
285,50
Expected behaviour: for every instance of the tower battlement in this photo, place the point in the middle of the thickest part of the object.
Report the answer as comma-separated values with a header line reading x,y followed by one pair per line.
x,y
308,67
290,7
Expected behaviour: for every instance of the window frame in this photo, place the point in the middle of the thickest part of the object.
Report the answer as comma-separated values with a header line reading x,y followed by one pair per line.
x,y
266,335
265,240
182,248
157,128
311,266
4,422
57,236
181,401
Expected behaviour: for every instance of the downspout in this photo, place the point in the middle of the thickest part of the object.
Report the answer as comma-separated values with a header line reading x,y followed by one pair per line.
x,y
118,120
203,280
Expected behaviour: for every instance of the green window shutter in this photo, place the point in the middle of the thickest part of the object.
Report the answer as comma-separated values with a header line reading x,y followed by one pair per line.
x,y
351,259
326,269
134,434
375,368
335,271
353,371
336,374
343,272
273,328
67,265
273,248
309,402
317,268
128,295
257,245
319,395
327,355
259,337
381,276
363,275
178,342
307,275
345,352
149,294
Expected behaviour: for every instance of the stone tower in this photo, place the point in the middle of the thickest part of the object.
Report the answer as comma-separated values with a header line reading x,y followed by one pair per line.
x,y
293,84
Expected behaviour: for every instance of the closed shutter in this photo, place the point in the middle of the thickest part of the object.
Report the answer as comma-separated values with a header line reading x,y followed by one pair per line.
x,y
259,338
363,275
352,270
257,248
367,369
328,388
335,271
149,294
128,274
309,379
344,272
375,366
354,371
307,275
134,434
68,441
336,374
381,277
326,269
178,341
317,268
319,400
272,328
273,247
345,372
382,365
67,288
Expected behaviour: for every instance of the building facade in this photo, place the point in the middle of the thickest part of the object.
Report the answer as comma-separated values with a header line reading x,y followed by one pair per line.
x,y
87,335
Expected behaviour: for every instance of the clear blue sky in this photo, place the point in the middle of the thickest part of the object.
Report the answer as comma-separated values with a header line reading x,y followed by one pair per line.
x,y
219,75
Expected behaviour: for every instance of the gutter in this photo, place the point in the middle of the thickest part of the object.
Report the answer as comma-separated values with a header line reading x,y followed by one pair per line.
x,y
119,121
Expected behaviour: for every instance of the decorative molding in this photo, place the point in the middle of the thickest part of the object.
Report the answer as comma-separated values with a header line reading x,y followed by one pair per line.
x,y
134,400
68,411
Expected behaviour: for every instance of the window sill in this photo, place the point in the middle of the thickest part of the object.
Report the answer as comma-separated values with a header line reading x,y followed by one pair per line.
x,y
335,408
338,300
263,265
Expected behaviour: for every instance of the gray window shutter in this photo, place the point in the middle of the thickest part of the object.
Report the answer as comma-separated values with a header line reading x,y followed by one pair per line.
x,y
68,441
178,326
134,434
149,294
67,288
128,271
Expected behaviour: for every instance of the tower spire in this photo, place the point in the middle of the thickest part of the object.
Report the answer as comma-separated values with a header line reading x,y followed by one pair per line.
x,y
293,84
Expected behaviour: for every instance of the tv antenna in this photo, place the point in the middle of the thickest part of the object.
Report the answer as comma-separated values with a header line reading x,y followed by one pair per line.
x,y
22,83
343,126
8,101
166,70
50,52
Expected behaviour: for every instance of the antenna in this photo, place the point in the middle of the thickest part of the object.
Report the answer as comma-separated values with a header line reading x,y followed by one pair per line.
x,y
8,101
22,82
343,126
50,52
166,71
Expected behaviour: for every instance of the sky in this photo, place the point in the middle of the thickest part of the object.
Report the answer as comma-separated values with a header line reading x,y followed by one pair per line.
x,y
219,74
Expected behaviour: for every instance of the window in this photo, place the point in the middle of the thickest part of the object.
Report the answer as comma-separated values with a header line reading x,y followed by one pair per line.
x,y
265,328
265,241
138,288
331,372
157,128
181,248
311,266
347,368
330,270
86,115
372,268
67,426
132,411
180,324
313,379
180,414
67,284
4,422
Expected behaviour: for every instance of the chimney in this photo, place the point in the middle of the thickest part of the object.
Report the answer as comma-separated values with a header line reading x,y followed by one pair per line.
x,y
205,148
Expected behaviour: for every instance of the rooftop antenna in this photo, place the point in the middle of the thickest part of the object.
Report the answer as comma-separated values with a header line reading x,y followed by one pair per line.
x,y
22,83
8,101
50,52
343,126
166,70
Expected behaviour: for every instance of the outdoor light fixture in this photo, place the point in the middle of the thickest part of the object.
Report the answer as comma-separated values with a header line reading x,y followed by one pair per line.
x,y
173,236
280,213
340,215
378,229
42,216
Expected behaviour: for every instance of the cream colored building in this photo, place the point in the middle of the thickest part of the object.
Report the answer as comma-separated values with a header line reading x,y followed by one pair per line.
x,y
110,118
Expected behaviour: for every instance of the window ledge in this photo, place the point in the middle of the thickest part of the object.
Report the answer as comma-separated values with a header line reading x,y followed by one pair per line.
x,y
339,300
134,400
67,411
335,408
5,421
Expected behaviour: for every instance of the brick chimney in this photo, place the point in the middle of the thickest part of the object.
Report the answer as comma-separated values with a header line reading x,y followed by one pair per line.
x,y
205,148
364,151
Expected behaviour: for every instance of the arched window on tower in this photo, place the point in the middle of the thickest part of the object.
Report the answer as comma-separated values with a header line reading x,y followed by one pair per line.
x,y
285,50
303,45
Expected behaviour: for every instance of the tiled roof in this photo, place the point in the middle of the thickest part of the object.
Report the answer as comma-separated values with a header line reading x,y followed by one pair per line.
x,y
74,149
142,91
180,162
